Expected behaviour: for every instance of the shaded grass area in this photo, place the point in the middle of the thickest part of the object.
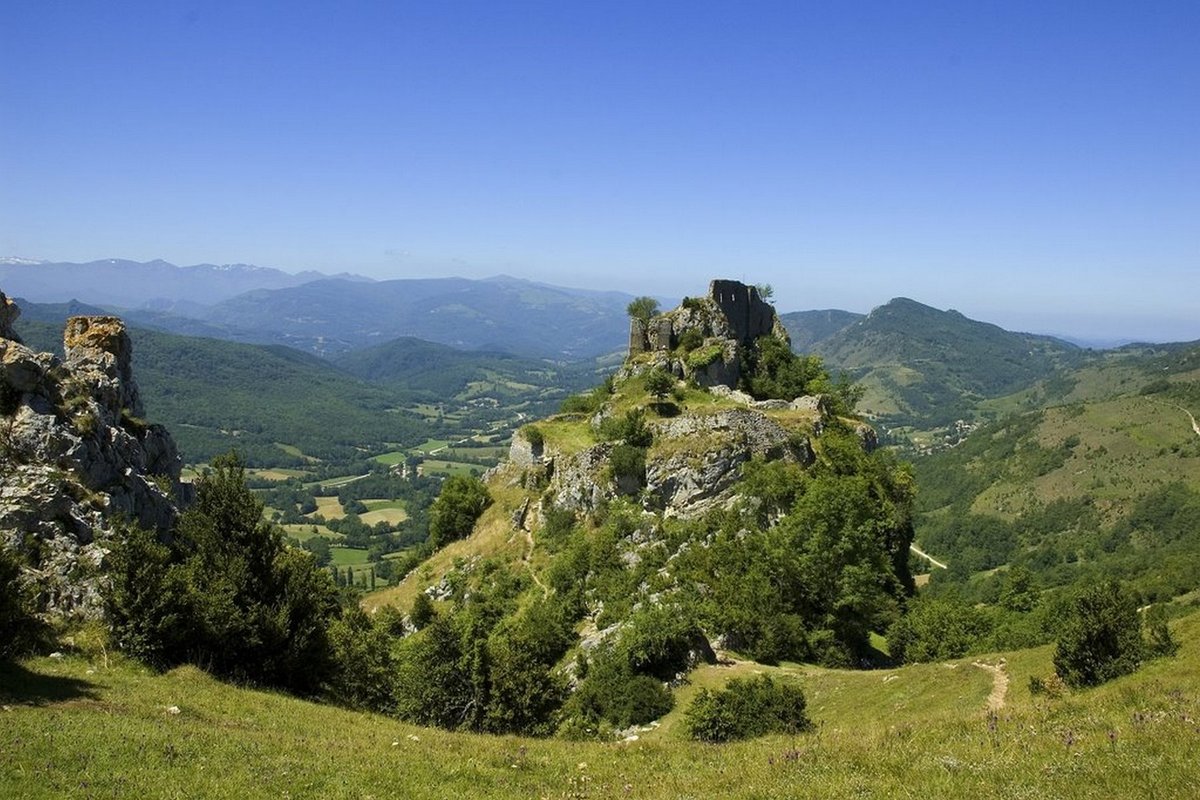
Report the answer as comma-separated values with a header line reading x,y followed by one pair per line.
x,y
110,733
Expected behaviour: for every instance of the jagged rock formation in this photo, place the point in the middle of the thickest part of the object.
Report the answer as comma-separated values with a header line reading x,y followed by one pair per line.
x,y
75,453
705,338
695,460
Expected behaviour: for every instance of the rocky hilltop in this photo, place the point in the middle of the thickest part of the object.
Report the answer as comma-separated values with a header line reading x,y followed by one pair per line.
x,y
706,339
693,450
75,454
716,494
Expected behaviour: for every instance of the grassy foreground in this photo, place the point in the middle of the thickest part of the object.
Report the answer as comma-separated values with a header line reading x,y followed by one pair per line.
x,y
72,727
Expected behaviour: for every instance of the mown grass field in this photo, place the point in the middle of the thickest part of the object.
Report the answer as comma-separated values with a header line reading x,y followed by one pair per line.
x,y
81,727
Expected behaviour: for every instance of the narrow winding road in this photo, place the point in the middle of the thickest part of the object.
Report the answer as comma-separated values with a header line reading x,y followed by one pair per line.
x,y
927,557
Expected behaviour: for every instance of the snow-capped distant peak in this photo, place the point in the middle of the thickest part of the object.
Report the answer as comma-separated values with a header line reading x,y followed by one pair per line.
x,y
20,262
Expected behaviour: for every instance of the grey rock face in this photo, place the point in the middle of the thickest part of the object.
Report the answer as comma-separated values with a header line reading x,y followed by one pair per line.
x,y
690,480
581,481
75,453
9,311
730,318
523,452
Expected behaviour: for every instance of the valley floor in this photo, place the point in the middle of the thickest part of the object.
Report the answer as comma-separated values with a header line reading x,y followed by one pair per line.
x,y
89,727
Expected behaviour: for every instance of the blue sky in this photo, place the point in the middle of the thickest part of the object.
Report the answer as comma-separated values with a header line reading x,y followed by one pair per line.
x,y
1031,164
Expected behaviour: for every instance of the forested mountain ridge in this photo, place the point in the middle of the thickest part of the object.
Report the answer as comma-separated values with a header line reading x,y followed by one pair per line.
x,y
217,395
923,368
521,317
808,329
1093,471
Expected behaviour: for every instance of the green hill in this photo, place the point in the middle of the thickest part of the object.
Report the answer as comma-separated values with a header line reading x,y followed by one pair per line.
x,y
1102,477
94,725
807,329
434,372
924,368
274,404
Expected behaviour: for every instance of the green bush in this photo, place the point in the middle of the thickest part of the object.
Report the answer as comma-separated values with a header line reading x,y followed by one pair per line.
x,y
1100,638
690,339
630,428
363,676
745,708
613,693
20,629
452,516
629,462
1159,640
935,629
533,435
228,594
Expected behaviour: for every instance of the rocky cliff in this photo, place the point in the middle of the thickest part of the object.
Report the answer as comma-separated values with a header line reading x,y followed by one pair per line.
x,y
75,454
698,440
705,339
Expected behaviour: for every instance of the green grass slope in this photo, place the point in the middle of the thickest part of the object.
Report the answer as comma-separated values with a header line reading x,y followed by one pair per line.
x,y
1109,474
80,727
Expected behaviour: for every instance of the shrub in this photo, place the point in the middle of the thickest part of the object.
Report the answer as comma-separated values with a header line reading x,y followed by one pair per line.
x,y
612,692
228,594
363,661
1100,638
630,428
659,383
642,308
422,612
533,435
690,339
19,627
453,515
629,462
936,629
1159,641
746,708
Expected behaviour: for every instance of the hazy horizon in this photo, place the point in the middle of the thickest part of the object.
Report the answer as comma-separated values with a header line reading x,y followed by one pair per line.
x,y
1030,166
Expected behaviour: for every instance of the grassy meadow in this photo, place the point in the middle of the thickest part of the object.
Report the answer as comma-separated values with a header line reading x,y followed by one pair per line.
x,y
87,725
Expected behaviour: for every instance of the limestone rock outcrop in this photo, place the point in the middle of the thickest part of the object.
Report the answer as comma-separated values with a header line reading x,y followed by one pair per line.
x,y
74,454
704,339
696,460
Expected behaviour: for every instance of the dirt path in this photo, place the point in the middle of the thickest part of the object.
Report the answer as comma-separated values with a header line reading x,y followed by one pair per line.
x,y
995,700
927,557
1191,417
528,559
1195,426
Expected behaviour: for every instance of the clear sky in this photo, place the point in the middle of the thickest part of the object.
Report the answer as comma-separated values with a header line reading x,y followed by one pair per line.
x,y
1031,164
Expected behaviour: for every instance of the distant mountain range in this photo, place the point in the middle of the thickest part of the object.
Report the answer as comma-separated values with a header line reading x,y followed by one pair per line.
x,y
922,368
499,314
329,315
133,284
